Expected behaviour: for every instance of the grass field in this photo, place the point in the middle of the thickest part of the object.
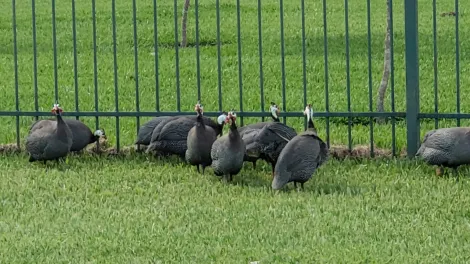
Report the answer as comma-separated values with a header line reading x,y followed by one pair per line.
x,y
141,209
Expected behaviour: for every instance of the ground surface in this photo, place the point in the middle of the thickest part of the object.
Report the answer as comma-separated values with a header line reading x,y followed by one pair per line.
x,y
138,209
133,211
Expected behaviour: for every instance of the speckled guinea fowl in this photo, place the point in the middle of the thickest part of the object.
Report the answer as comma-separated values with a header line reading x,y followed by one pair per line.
x,y
145,131
82,135
301,157
250,132
228,151
170,136
199,142
446,148
49,139
268,142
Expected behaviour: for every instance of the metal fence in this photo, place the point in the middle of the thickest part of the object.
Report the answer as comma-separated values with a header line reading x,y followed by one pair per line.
x,y
412,113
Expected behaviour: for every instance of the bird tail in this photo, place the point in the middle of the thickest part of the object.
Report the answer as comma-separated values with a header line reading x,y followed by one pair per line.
x,y
420,151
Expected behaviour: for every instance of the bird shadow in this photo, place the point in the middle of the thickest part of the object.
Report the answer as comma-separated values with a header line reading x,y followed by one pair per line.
x,y
327,189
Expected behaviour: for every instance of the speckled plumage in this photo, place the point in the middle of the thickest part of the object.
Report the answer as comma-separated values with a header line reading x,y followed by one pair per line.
x,y
446,147
199,144
267,143
227,153
249,134
145,131
49,140
301,157
174,133
81,134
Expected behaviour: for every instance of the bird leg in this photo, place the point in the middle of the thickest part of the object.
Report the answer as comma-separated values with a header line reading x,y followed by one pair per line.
x,y
272,169
197,166
203,168
254,165
231,178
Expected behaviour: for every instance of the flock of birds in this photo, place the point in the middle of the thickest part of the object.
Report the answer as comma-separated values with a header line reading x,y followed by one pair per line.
x,y
199,140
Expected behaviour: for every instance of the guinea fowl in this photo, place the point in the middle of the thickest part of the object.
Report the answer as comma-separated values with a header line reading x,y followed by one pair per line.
x,y
250,132
49,139
227,151
268,142
170,136
199,142
301,156
145,131
82,135
446,148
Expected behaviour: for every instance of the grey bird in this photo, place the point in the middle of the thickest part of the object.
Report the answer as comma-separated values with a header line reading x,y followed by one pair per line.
x,y
446,148
82,135
170,136
268,142
145,131
301,157
250,132
199,142
49,139
228,151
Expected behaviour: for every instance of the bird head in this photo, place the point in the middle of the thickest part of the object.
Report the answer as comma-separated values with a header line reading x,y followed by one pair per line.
x,y
274,110
56,109
231,117
199,108
308,111
221,120
100,133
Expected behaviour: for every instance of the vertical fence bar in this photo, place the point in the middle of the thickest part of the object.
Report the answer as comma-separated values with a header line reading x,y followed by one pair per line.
x,y
75,67
155,47
136,66
35,58
95,62
219,60
54,47
177,57
260,55
434,37
115,66
325,55
198,55
304,57
369,64
457,58
283,62
392,78
348,79
412,76
15,63
240,79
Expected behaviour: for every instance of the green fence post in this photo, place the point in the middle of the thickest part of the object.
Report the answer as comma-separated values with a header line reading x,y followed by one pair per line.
x,y
412,76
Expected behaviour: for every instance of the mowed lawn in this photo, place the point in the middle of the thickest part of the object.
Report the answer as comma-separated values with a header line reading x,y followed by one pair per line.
x,y
147,210
150,211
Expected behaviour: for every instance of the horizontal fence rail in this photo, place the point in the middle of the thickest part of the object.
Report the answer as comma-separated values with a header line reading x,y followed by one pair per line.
x,y
201,51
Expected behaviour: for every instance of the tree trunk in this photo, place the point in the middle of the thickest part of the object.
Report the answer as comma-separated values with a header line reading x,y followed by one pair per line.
x,y
386,70
184,39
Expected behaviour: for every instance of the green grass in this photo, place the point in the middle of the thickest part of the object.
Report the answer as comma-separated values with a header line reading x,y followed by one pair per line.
x,y
134,211
250,64
141,210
